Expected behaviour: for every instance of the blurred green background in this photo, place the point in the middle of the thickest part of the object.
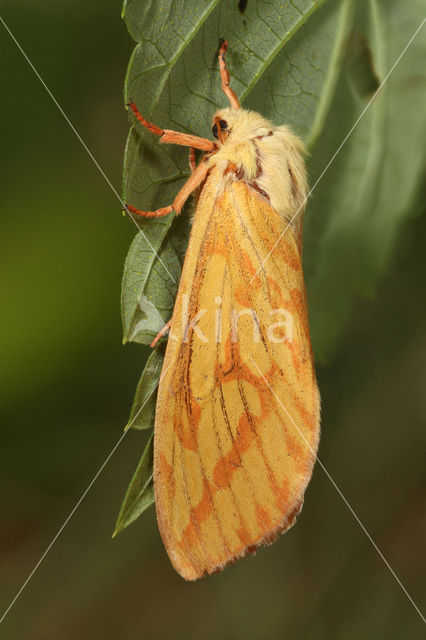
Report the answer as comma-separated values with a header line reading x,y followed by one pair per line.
x,y
67,385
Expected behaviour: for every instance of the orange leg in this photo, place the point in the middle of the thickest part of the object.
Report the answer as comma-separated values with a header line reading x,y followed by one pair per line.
x,y
194,181
160,334
148,125
173,137
158,213
224,74
192,162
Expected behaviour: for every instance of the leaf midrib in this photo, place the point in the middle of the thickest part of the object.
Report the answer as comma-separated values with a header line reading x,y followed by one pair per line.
x,y
289,35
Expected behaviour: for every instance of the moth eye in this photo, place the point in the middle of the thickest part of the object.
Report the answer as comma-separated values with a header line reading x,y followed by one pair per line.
x,y
223,126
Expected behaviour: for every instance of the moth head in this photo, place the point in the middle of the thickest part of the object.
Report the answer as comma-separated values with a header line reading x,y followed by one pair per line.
x,y
239,124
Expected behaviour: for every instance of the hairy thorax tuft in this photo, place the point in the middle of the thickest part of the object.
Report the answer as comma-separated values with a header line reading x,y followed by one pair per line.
x,y
266,157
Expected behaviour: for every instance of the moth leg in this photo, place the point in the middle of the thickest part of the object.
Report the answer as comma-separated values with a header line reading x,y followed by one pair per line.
x,y
161,333
187,140
194,181
157,213
148,125
173,137
192,163
224,74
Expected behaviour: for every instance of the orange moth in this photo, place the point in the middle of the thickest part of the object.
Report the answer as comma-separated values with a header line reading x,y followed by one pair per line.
x,y
237,417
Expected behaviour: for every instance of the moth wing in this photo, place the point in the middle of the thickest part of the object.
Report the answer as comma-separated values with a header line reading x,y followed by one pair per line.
x,y
237,420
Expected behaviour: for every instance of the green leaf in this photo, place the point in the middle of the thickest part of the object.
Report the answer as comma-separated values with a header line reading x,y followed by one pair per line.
x,y
356,211
140,493
143,409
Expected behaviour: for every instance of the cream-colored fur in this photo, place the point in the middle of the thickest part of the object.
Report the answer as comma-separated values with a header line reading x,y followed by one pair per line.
x,y
267,156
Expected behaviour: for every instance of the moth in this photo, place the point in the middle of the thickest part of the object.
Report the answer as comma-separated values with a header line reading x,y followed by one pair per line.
x,y
237,416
